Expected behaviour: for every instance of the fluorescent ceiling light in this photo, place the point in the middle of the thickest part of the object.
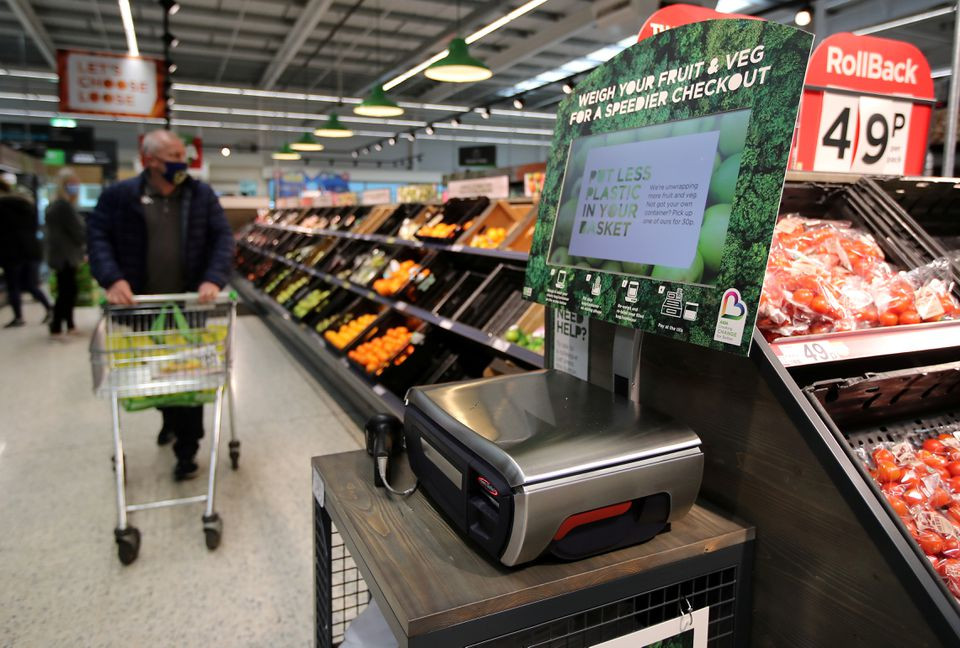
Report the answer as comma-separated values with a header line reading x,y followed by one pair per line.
x,y
195,123
906,20
295,96
127,17
576,66
495,129
472,38
30,74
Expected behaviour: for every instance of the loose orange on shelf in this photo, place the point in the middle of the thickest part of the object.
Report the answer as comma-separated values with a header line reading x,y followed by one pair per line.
x,y
396,278
346,333
489,238
377,352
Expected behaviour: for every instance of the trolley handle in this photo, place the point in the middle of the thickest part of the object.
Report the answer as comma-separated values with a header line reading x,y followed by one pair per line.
x,y
225,296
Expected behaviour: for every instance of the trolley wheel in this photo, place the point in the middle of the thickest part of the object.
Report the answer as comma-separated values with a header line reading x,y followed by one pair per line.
x,y
234,454
128,544
212,530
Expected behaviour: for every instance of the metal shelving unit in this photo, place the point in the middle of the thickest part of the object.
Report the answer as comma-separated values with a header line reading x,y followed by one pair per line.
x,y
505,255
314,350
474,334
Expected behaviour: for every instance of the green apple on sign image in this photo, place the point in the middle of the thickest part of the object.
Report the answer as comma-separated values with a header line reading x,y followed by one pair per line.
x,y
664,181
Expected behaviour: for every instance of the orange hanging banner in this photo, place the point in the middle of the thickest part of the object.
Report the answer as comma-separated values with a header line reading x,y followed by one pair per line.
x,y
101,83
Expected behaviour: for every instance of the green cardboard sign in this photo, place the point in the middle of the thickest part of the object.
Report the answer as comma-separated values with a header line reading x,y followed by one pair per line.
x,y
664,182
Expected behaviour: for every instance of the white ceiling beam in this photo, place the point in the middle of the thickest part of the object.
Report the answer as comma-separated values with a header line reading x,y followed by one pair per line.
x,y
307,21
32,25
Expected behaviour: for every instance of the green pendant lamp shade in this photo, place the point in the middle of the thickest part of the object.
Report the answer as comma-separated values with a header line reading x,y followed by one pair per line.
x,y
378,104
307,143
333,128
458,66
285,153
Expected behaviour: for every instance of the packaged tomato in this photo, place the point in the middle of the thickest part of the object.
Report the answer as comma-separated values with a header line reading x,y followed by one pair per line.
x,y
827,276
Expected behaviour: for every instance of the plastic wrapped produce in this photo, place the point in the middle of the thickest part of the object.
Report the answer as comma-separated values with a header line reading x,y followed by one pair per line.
x,y
826,276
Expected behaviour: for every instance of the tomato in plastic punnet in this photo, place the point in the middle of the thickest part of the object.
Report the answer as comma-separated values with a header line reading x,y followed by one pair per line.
x,y
939,498
954,484
882,454
898,505
931,459
909,317
953,512
944,473
951,547
935,446
889,318
930,542
914,497
819,304
911,527
954,468
803,296
945,564
887,471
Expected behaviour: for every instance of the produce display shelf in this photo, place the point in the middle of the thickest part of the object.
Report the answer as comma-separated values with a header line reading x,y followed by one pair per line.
x,y
318,351
867,343
476,335
506,255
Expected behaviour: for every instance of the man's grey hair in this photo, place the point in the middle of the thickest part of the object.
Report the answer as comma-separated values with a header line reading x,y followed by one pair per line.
x,y
156,140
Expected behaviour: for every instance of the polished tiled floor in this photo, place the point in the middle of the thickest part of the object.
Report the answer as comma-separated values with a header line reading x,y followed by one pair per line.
x,y
60,581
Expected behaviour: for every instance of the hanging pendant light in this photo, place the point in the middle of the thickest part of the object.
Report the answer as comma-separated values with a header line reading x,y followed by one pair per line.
x,y
307,143
285,153
333,128
378,104
458,66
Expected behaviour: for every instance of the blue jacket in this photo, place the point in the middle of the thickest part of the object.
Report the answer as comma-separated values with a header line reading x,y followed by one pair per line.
x,y
117,236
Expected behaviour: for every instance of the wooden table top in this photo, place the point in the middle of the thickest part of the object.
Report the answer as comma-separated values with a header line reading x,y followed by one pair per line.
x,y
432,578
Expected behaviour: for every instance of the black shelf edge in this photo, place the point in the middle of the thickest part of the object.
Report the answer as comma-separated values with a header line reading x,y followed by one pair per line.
x,y
310,342
476,335
504,255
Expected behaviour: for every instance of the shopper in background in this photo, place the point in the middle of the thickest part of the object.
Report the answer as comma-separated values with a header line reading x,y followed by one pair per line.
x,y
20,252
66,240
162,232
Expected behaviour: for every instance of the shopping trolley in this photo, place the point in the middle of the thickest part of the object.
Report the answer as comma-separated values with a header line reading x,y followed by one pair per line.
x,y
166,350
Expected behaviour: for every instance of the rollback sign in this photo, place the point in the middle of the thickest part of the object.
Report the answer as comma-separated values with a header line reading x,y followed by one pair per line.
x,y
866,107
664,179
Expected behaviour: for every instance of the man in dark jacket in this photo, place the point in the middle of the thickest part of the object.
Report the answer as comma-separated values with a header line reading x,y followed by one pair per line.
x,y
20,252
162,232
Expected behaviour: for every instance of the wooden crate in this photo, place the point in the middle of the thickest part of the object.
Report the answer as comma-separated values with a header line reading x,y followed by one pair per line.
x,y
508,214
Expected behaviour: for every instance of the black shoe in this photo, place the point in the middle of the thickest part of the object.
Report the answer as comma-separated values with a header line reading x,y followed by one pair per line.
x,y
165,437
185,470
14,323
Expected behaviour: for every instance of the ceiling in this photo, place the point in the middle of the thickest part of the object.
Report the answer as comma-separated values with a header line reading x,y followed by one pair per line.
x,y
333,48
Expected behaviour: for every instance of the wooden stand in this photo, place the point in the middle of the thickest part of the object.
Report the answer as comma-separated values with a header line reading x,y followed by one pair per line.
x,y
434,589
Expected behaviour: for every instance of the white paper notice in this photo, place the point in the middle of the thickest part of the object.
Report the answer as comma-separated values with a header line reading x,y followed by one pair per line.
x,y
882,137
571,343
837,135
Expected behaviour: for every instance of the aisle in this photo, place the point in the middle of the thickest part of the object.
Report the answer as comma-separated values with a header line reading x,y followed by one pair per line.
x,y
62,582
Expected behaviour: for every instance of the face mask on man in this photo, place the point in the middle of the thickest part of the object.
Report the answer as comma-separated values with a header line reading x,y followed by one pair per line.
x,y
72,190
174,172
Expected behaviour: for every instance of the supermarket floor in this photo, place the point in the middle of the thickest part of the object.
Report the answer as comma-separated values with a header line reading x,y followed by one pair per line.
x,y
62,584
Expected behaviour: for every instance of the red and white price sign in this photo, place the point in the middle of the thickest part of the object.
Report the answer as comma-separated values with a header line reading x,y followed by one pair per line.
x,y
110,84
865,109
682,14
